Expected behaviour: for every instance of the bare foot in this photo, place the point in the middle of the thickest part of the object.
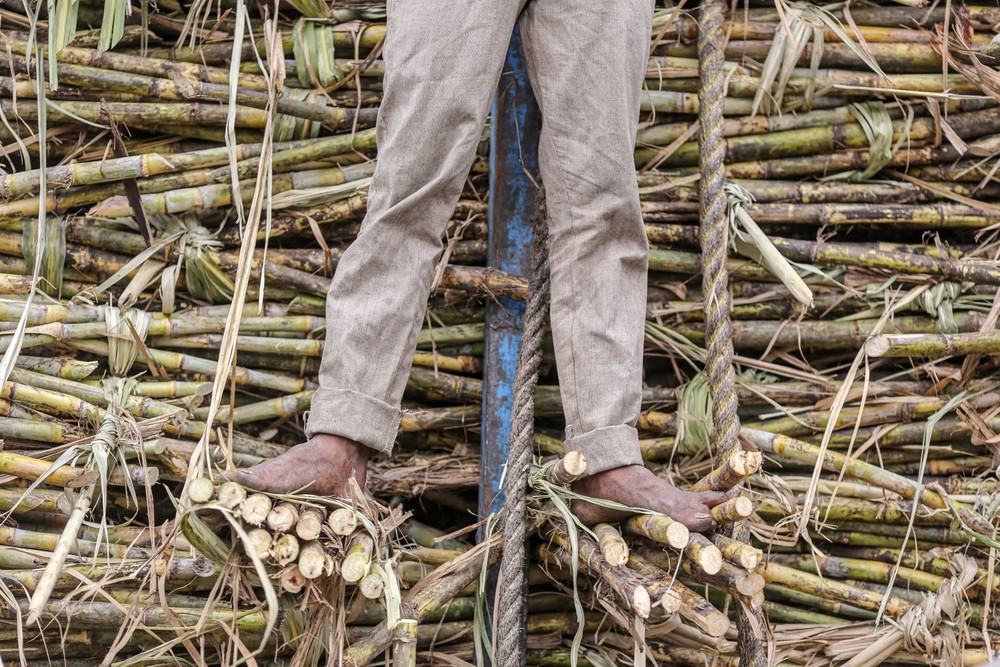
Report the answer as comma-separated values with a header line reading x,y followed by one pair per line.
x,y
638,487
321,466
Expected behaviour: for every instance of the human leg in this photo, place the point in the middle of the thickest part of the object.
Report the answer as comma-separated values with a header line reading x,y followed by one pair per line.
x,y
587,62
443,61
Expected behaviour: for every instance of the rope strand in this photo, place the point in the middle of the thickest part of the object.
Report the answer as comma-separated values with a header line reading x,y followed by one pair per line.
x,y
714,234
512,613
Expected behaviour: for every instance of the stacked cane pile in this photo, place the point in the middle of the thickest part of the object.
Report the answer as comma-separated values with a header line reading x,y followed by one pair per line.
x,y
860,144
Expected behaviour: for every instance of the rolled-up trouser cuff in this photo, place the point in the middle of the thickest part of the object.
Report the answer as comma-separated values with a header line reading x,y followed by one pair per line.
x,y
352,415
607,448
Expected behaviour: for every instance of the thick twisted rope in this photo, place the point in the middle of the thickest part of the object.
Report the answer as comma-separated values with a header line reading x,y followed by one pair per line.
x,y
512,613
715,279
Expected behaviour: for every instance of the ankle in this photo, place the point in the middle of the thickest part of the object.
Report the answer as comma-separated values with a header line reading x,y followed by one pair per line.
x,y
342,447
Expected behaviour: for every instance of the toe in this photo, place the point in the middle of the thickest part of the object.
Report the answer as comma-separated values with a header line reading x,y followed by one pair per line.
x,y
711,498
245,478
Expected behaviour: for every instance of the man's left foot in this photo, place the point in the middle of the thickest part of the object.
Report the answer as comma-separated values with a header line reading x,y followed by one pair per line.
x,y
636,486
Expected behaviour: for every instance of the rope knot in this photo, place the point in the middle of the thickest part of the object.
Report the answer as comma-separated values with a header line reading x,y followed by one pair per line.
x,y
936,627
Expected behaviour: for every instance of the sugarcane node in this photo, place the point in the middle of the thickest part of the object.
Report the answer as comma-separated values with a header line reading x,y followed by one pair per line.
x,y
285,549
291,579
734,509
612,544
138,475
342,521
254,509
371,586
231,495
200,490
82,479
312,560
310,523
357,558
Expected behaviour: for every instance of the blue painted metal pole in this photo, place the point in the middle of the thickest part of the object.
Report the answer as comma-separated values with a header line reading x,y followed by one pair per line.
x,y
514,132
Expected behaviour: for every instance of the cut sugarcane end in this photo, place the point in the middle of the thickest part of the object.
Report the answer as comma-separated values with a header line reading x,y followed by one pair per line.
x,y
751,584
355,567
670,602
255,509
285,549
574,463
312,560
371,586
200,490
709,559
282,517
291,580
342,521
231,495
260,541
310,524
613,546
678,535
640,602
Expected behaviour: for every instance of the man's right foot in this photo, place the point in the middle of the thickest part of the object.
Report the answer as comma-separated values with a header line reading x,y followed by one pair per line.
x,y
321,466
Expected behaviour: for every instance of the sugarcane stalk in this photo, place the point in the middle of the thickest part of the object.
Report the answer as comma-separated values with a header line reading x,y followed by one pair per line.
x,y
357,557
701,552
404,645
700,611
832,590
371,586
837,609
734,509
731,472
862,570
625,587
728,578
738,553
231,495
46,584
659,529
426,600
571,467
836,462
657,582
259,541
933,346
291,579
31,469
282,517
613,546
200,490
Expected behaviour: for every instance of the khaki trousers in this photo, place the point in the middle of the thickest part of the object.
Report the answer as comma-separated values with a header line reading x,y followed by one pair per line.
x,y
586,62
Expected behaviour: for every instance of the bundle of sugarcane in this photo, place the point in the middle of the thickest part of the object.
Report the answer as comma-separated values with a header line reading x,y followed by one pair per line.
x,y
866,457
